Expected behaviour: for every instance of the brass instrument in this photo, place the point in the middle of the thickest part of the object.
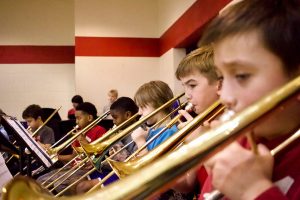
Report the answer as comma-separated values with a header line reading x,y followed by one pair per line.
x,y
151,178
53,152
65,136
80,152
101,145
182,105
96,160
216,195
152,155
123,169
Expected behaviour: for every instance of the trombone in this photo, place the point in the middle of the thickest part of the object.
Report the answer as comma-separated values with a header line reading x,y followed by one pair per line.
x,y
102,144
131,164
80,152
53,152
172,165
123,169
216,195
95,160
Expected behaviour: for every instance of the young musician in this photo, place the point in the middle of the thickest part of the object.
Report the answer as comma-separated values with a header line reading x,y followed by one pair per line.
x,y
76,100
256,45
33,116
85,114
149,97
198,76
112,96
121,110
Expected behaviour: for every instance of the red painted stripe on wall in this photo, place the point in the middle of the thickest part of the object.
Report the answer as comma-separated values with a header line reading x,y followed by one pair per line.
x,y
189,26
108,46
184,32
36,54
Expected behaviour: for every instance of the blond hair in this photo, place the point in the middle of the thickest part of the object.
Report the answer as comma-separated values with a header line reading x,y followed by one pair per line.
x,y
154,93
200,60
113,92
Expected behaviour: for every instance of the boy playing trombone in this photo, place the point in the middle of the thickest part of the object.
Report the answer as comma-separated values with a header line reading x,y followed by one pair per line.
x,y
256,45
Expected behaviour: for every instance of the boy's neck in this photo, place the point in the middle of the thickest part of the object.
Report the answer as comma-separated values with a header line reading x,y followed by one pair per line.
x,y
160,116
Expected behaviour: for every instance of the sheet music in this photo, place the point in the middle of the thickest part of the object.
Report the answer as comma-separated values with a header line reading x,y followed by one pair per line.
x,y
31,143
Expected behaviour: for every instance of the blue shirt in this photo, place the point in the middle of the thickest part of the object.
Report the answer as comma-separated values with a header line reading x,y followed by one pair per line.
x,y
165,135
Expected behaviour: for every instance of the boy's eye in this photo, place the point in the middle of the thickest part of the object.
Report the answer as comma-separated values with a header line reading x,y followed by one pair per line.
x,y
192,85
242,77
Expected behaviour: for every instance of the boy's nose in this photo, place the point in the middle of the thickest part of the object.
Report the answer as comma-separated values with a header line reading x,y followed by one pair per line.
x,y
227,97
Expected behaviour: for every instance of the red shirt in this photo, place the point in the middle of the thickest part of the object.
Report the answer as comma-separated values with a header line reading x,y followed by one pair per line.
x,y
201,177
91,135
286,173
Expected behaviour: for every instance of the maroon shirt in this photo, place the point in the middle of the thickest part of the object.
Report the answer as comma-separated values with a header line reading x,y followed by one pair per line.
x,y
286,170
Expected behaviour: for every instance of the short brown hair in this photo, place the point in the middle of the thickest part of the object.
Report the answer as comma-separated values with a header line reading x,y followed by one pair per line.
x,y
200,60
154,93
277,22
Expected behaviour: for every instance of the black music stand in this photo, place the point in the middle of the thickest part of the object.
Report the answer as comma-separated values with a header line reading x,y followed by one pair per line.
x,y
6,146
26,143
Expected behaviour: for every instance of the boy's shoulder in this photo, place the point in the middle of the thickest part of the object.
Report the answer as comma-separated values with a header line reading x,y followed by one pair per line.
x,y
46,129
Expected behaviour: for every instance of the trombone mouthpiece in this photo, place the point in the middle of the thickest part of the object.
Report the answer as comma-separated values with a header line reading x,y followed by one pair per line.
x,y
189,107
227,115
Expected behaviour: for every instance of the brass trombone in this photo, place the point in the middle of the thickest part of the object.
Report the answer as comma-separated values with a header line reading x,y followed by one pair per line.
x,y
95,160
216,195
131,164
151,178
123,169
80,153
101,145
53,152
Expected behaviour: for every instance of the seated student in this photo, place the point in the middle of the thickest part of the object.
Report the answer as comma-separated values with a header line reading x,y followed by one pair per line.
x,y
149,97
76,100
33,116
198,76
112,96
256,45
85,114
121,110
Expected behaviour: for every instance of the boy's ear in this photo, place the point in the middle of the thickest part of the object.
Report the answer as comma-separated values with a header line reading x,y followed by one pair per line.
x,y
90,118
128,114
39,118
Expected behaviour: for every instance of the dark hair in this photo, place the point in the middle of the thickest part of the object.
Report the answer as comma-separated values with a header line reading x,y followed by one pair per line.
x,y
124,104
33,111
277,22
77,99
87,108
